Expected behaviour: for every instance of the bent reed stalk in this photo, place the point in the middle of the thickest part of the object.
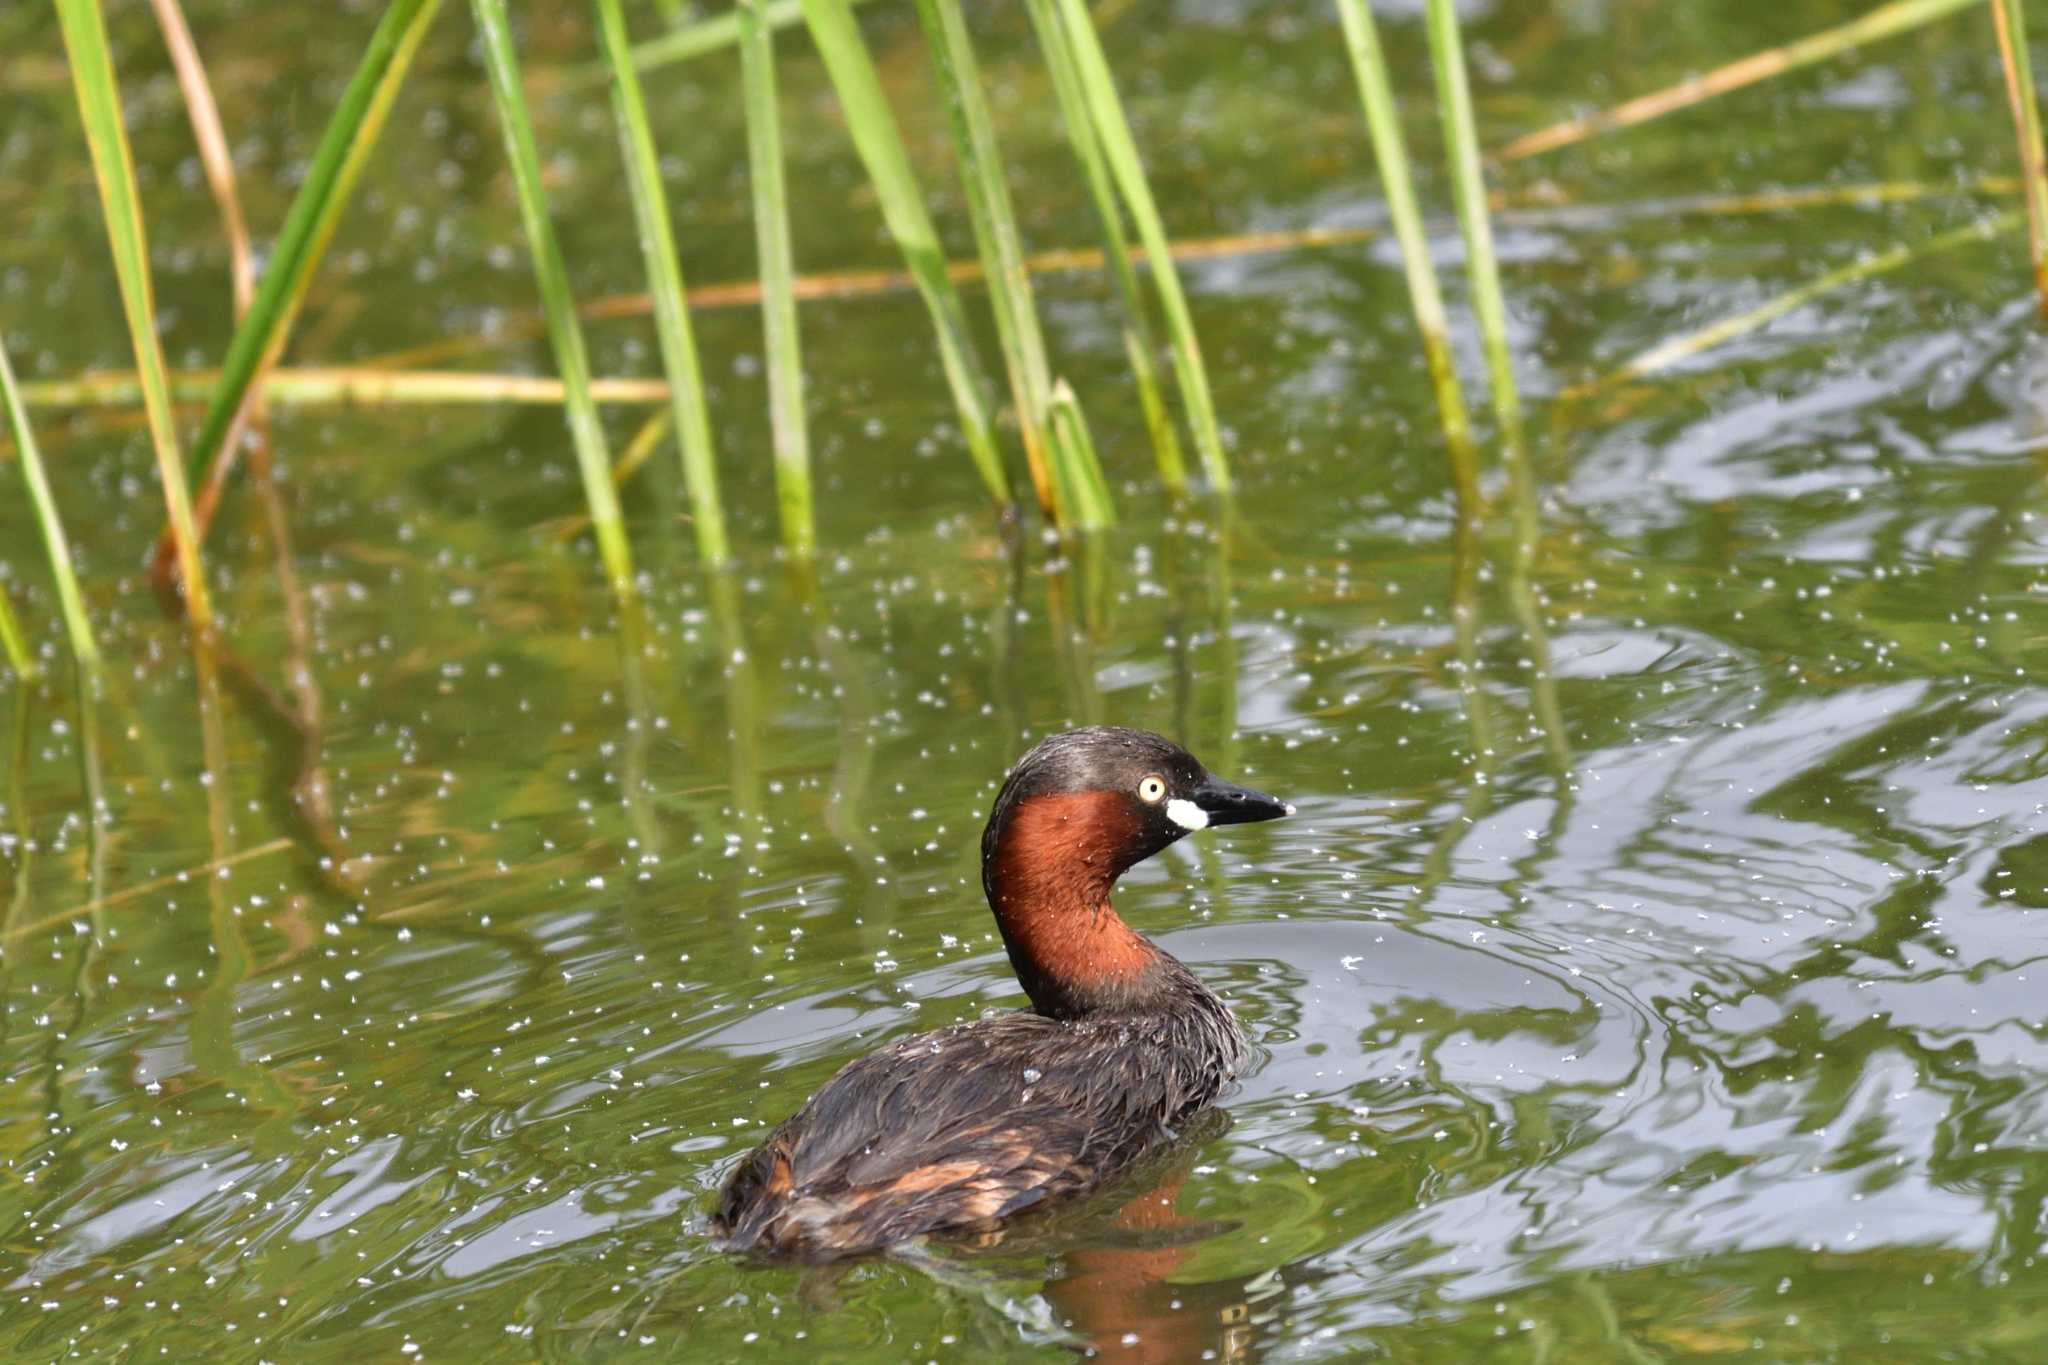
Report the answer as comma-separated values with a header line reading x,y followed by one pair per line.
x,y
1885,21
106,135
55,546
352,131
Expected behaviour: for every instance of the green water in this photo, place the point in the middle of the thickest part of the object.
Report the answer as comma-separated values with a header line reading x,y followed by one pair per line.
x,y
1681,1000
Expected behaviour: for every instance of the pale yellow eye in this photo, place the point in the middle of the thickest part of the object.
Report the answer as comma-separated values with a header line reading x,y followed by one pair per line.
x,y
1152,790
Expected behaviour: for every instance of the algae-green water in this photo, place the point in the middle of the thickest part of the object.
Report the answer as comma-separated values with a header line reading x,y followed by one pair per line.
x,y
1655,970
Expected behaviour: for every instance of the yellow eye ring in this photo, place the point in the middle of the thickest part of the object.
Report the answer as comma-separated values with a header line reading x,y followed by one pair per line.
x,y
1152,789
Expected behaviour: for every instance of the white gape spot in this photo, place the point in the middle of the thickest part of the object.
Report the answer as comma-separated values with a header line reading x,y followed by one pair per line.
x,y
1187,814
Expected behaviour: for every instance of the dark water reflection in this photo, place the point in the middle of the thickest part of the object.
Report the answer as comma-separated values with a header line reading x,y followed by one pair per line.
x,y
407,974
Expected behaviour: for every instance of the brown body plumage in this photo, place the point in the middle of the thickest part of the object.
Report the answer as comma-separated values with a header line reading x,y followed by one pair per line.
x,y
955,1129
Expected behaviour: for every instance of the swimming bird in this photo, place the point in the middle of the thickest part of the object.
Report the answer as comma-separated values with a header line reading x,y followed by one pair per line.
x,y
959,1128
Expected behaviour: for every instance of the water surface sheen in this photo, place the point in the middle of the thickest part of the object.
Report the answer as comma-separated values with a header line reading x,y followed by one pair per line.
x,y
1678,998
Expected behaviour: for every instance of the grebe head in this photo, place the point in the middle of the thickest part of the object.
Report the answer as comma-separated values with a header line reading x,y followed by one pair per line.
x,y
1076,813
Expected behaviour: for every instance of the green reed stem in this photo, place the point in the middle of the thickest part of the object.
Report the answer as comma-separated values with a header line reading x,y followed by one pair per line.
x,y
1077,466
1489,306
1369,66
880,145
13,643
55,546
1139,345
665,284
1468,186
564,332
352,131
99,107
781,337
2010,19
1120,149
1000,244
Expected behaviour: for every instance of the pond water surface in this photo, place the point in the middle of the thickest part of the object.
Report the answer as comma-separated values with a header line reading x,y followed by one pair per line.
x,y
1682,997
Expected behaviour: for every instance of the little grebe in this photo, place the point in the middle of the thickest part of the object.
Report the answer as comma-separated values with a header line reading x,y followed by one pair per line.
x,y
955,1129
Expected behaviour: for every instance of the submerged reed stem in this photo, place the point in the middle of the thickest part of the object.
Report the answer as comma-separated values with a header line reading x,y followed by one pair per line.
x,y
1668,353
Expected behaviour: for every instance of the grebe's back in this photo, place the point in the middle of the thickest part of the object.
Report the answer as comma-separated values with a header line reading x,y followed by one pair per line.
x,y
956,1129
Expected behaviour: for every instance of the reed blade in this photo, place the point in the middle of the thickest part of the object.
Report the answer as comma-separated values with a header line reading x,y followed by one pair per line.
x,y
665,283
1127,169
1882,22
1468,189
55,547
999,244
782,339
880,145
1079,467
351,133
1139,345
13,643
99,107
1376,91
1482,267
565,334
2010,19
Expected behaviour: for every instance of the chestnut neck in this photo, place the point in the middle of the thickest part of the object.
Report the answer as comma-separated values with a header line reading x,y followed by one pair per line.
x,y
1048,864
